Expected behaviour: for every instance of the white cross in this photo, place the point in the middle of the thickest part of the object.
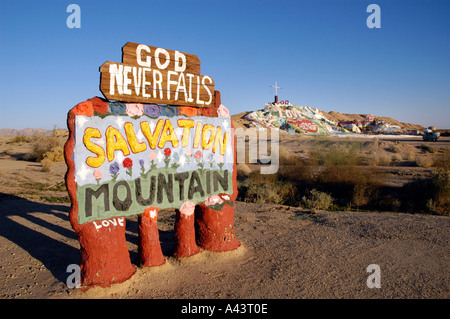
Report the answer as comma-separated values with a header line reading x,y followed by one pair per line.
x,y
276,87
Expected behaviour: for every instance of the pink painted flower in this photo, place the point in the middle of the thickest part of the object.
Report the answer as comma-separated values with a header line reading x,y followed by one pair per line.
x,y
152,156
223,111
212,200
97,174
220,159
188,152
187,208
135,109
198,155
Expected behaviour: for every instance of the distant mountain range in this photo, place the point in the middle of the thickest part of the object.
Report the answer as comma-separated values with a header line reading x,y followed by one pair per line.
x,y
7,132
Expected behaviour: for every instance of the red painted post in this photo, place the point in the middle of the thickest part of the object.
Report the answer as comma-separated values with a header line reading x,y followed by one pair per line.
x,y
185,231
105,259
149,250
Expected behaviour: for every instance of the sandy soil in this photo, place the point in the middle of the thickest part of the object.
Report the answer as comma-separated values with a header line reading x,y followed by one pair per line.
x,y
286,252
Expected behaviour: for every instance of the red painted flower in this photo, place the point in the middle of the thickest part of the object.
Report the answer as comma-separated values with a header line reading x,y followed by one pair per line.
x,y
127,162
167,152
198,154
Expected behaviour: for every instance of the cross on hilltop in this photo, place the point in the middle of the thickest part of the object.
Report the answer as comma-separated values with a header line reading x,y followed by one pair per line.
x,y
276,91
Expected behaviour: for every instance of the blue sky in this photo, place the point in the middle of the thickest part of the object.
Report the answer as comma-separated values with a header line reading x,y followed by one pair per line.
x,y
320,52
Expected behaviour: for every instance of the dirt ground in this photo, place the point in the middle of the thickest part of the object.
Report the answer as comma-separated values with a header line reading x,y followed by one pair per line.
x,y
286,252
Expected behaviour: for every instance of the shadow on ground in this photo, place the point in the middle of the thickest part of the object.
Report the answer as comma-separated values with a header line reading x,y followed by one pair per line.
x,y
20,226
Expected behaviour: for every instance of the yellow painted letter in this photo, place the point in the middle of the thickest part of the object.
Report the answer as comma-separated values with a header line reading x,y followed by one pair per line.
x,y
115,142
135,146
94,148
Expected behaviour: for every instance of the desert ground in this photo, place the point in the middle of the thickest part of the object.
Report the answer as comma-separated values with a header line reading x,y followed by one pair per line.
x,y
286,252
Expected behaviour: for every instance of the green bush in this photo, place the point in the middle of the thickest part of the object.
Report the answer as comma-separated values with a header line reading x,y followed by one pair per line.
x,y
266,189
56,154
42,145
317,200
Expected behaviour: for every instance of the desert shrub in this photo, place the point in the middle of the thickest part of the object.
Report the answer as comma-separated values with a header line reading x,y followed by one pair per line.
x,y
383,160
46,165
394,149
347,182
396,158
243,171
279,193
409,156
439,203
19,139
427,149
430,195
293,169
425,161
442,160
364,192
260,188
317,200
56,154
41,145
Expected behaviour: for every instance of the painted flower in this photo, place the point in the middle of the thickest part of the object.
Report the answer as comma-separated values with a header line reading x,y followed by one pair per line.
x,y
198,155
223,111
167,152
176,160
127,163
187,208
117,107
134,109
151,110
220,159
188,154
114,170
152,156
141,162
213,200
210,159
98,175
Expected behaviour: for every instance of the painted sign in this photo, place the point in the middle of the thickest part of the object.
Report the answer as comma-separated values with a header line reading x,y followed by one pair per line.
x,y
165,142
150,74
304,125
126,163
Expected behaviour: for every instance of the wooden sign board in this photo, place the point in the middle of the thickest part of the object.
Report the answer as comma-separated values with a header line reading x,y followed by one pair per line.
x,y
150,74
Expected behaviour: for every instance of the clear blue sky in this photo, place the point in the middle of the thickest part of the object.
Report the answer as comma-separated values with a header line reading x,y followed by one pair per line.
x,y
321,53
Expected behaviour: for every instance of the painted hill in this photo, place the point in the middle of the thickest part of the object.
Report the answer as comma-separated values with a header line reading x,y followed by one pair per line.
x,y
311,121
336,116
